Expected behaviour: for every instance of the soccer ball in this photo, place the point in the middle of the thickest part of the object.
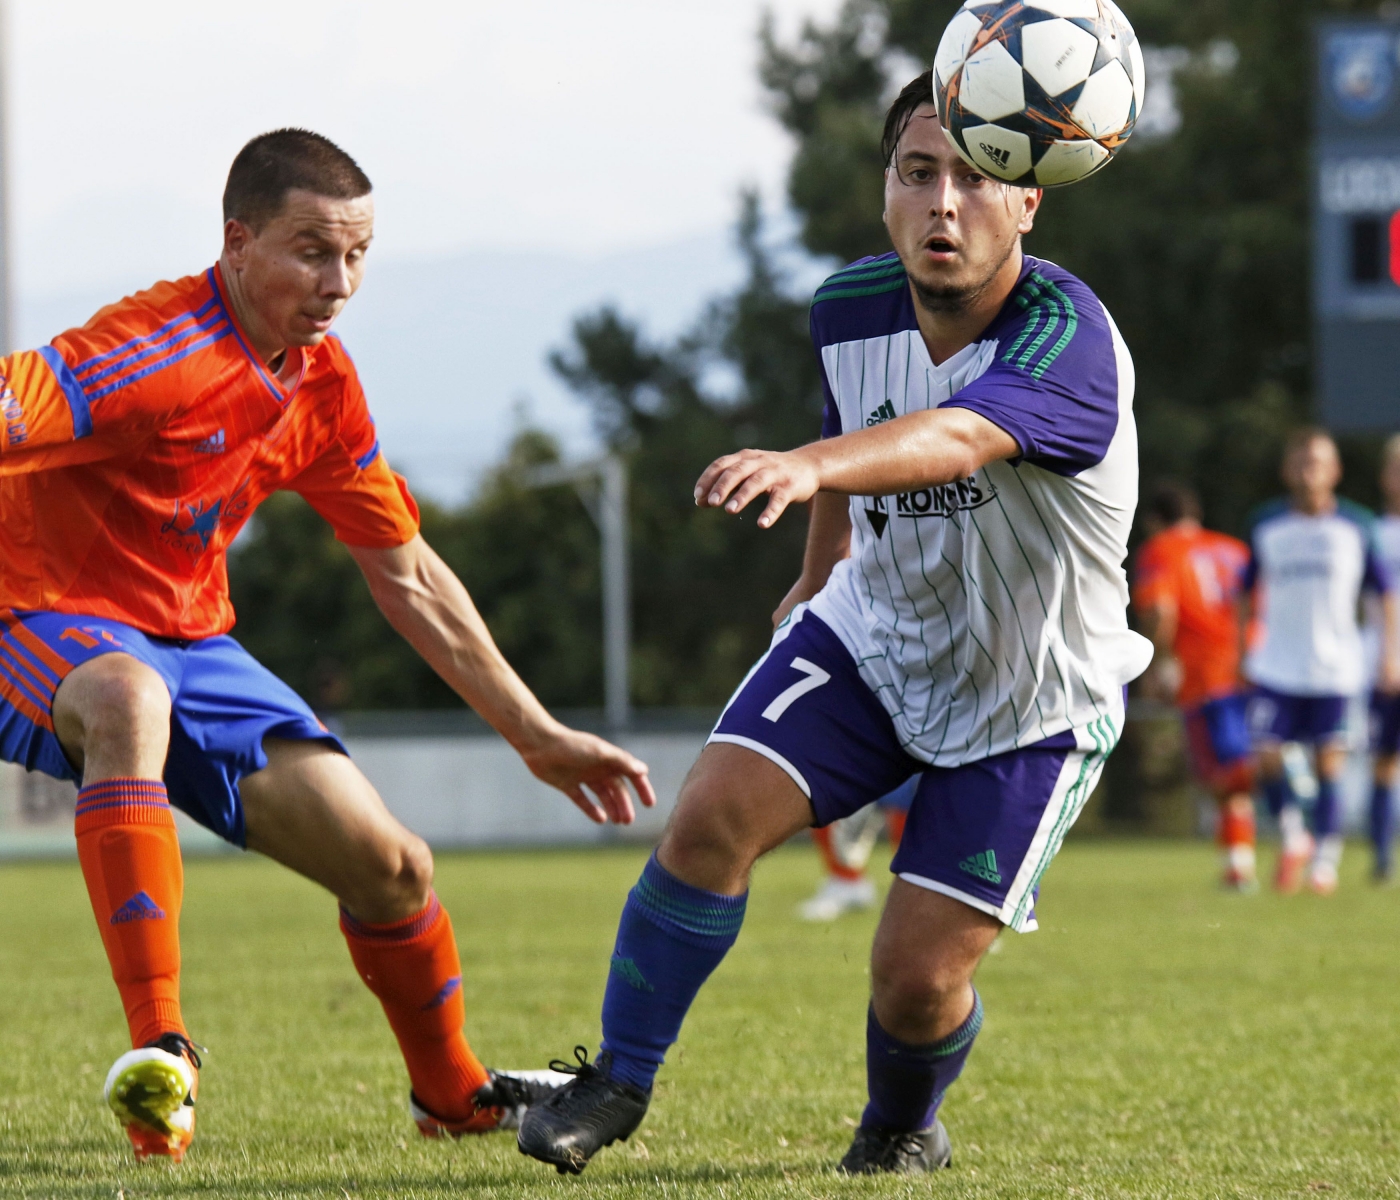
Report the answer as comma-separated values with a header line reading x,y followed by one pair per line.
x,y
1038,92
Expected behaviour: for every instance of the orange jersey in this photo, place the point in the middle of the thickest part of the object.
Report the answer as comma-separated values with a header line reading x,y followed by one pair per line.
x,y
1199,573
134,449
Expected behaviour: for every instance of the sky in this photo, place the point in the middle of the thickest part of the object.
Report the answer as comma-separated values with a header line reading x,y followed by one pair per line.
x,y
530,161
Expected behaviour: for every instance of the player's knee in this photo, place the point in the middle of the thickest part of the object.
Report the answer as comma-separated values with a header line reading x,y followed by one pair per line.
x,y
119,699
406,873
911,994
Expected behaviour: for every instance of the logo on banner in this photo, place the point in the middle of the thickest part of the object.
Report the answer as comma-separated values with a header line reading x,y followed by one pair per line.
x,y
1361,72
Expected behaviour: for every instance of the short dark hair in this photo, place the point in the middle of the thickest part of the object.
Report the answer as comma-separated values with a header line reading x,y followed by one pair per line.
x,y
274,163
1303,437
1172,501
916,92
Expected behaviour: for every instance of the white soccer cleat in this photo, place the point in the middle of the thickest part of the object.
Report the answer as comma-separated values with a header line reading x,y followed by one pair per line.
x,y
837,897
151,1093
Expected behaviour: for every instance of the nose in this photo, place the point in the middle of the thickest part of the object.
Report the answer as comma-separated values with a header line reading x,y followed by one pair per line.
x,y
336,280
942,198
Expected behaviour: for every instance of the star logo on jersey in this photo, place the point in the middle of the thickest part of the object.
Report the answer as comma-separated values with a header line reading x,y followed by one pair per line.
x,y
194,525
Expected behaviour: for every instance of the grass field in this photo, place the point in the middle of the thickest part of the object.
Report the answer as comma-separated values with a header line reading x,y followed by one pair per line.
x,y
1156,1038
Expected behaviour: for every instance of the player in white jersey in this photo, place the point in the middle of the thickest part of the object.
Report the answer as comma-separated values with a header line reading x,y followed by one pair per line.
x,y
961,612
1385,704
1311,557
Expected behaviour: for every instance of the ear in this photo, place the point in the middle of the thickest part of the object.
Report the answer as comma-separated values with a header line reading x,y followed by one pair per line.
x,y
237,238
1030,200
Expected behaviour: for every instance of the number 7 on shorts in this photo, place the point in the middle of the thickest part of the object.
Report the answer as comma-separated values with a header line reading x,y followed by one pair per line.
x,y
784,699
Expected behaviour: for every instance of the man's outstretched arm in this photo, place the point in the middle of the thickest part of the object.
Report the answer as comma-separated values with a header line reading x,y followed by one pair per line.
x,y
427,604
922,449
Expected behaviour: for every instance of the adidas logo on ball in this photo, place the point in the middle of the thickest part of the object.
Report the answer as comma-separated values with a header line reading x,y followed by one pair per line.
x,y
1039,93
996,154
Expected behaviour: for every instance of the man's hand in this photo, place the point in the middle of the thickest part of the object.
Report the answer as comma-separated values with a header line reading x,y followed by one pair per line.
x,y
733,481
574,761
428,605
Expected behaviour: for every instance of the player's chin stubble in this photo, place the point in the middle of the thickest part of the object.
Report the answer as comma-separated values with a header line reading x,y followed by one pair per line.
x,y
956,299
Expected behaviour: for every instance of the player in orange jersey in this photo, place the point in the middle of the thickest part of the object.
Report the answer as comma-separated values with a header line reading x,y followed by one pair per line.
x,y
1186,591
132,451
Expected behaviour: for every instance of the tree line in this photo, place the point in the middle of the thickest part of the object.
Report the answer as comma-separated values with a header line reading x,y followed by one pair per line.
x,y
1195,239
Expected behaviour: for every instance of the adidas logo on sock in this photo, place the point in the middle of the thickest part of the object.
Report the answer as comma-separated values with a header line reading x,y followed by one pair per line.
x,y
445,993
983,865
626,969
139,908
884,413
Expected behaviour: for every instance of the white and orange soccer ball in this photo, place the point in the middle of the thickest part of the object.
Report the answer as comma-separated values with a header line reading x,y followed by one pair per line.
x,y
1039,92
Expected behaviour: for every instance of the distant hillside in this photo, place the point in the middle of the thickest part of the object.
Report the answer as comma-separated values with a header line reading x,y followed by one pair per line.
x,y
450,348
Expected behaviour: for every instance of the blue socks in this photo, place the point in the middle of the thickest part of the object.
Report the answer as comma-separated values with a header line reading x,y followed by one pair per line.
x,y
1277,795
671,937
1327,813
1382,826
907,1082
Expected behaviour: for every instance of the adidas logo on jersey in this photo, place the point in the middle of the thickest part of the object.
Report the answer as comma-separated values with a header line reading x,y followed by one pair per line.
x,y
139,908
983,865
213,444
884,413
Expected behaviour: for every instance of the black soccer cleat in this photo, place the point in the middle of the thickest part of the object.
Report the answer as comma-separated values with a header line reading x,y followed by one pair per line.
x,y
586,1114
897,1152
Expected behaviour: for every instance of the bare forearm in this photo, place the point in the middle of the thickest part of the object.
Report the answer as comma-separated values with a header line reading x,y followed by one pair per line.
x,y
923,449
428,606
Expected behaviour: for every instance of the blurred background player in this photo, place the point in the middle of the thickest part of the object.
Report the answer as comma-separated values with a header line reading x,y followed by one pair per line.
x,y
1385,702
1311,557
845,847
132,452
1186,589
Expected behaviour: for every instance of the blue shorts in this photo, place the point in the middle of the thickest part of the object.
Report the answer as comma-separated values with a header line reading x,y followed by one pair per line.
x,y
982,833
1385,723
223,704
1283,717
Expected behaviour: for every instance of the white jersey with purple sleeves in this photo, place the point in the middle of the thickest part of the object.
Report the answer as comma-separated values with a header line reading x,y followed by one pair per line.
x,y
1310,572
1387,539
990,613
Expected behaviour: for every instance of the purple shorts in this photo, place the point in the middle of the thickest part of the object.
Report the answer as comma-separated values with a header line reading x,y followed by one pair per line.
x,y
223,704
1385,723
983,832
1283,717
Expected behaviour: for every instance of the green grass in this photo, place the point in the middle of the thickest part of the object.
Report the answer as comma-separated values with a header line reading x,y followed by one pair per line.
x,y
1156,1038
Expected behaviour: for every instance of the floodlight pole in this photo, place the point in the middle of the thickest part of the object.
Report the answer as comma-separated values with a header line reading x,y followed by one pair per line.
x,y
607,505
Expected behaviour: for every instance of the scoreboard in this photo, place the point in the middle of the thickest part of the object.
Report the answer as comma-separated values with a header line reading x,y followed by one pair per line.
x,y
1356,224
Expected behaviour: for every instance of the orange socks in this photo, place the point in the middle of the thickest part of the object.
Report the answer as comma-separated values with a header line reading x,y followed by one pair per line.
x,y
412,966
130,857
834,866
